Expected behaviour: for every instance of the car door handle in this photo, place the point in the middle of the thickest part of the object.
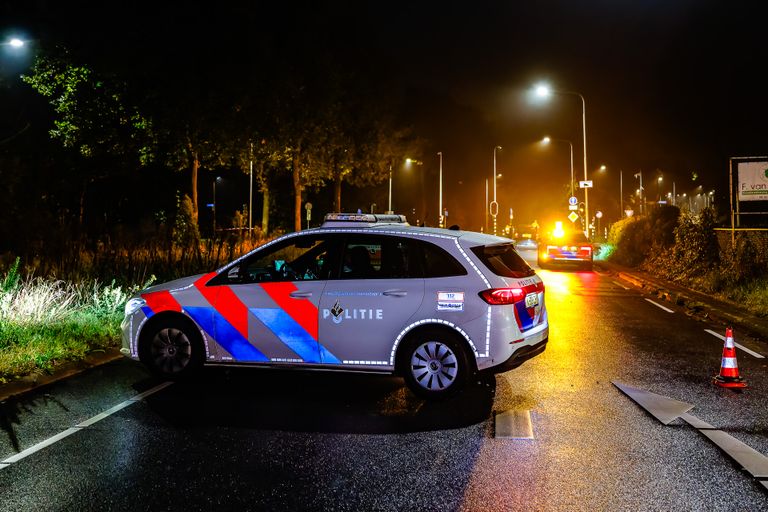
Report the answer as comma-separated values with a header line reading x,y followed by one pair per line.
x,y
300,295
395,293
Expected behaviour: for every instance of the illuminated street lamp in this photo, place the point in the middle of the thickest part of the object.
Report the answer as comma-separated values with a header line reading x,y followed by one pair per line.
x,y
639,174
547,140
408,161
544,91
14,42
494,206
440,186
658,186
213,205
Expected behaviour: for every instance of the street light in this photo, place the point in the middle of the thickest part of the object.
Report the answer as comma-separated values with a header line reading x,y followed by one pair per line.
x,y
494,206
408,161
217,180
544,91
14,42
658,186
440,206
547,140
640,191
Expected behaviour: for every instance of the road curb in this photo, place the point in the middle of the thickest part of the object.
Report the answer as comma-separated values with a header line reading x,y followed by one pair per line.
x,y
28,383
696,303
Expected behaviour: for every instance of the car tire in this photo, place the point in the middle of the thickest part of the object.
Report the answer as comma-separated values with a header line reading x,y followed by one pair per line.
x,y
435,364
173,349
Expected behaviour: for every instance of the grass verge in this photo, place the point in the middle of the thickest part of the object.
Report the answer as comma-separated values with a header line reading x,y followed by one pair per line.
x,y
46,322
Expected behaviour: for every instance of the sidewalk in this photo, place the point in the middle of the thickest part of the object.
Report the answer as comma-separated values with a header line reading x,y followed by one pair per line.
x,y
696,303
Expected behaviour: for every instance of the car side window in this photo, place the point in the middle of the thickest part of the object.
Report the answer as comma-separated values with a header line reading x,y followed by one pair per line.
x,y
438,263
301,258
379,257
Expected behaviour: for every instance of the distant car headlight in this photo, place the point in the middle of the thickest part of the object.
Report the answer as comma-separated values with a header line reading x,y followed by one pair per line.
x,y
134,304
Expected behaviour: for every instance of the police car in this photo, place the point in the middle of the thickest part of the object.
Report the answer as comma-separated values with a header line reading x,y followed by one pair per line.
x,y
360,293
565,248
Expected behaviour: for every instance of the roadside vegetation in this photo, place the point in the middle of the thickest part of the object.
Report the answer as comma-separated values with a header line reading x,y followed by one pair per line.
x,y
44,322
75,303
684,248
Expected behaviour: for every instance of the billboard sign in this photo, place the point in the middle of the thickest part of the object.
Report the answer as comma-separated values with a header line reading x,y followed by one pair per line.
x,y
752,178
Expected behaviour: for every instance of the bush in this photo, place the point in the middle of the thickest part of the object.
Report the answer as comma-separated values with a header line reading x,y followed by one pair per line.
x,y
632,239
46,321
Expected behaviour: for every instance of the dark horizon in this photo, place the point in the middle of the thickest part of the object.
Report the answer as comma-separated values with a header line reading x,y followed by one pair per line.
x,y
668,88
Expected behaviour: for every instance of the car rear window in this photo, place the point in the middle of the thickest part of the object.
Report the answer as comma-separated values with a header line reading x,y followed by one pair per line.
x,y
503,260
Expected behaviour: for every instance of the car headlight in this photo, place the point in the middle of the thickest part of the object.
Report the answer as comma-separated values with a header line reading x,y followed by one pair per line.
x,y
134,304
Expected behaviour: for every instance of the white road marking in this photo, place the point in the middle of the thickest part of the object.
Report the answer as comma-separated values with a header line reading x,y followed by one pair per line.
x,y
77,428
660,306
742,347
619,284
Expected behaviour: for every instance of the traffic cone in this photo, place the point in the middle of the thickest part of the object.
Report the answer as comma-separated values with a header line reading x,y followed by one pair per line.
x,y
729,369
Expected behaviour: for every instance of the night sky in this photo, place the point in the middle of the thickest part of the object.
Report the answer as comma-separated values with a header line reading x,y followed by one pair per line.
x,y
672,87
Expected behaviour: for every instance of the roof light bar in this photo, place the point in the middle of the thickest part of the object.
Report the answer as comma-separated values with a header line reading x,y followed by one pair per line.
x,y
369,218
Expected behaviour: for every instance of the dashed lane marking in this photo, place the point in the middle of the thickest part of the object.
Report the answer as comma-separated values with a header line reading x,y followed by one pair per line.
x,y
742,347
80,426
619,284
660,306
515,424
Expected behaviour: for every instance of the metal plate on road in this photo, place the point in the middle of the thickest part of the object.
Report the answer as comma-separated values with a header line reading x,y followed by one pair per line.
x,y
514,424
660,407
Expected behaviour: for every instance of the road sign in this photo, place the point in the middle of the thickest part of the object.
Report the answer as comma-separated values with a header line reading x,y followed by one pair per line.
x,y
585,184
572,216
573,201
573,207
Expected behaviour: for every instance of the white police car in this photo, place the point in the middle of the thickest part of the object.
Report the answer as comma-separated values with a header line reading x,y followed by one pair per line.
x,y
362,293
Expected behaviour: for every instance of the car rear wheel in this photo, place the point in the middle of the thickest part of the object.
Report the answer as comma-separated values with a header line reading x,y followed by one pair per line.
x,y
435,364
172,350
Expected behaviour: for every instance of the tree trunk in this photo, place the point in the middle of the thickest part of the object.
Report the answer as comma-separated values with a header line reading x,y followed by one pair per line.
x,y
265,209
297,191
337,192
195,169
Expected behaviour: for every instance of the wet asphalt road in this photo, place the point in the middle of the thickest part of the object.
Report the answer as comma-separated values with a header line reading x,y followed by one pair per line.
x,y
273,440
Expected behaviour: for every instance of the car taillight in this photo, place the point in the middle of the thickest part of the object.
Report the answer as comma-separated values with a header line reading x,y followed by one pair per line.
x,y
500,296
586,248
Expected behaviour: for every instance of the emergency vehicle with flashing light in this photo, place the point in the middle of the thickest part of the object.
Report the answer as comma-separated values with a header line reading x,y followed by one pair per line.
x,y
362,292
565,248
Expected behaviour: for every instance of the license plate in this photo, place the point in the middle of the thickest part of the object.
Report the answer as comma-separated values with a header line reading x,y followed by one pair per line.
x,y
532,300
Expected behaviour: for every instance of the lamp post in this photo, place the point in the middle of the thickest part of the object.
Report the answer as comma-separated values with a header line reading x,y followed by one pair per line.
x,y
658,186
486,207
213,208
547,140
544,91
389,208
639,174
494,206
440,201
408,161
423,206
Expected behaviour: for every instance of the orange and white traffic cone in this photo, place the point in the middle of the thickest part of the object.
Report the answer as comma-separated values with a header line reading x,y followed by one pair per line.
x,y
729,369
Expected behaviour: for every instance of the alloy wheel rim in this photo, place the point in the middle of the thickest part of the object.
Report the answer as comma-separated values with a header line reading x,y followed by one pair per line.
x,y
171,350
434,366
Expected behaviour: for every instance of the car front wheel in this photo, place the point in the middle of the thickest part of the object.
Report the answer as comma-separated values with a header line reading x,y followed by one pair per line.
x,y
435,365
172,350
